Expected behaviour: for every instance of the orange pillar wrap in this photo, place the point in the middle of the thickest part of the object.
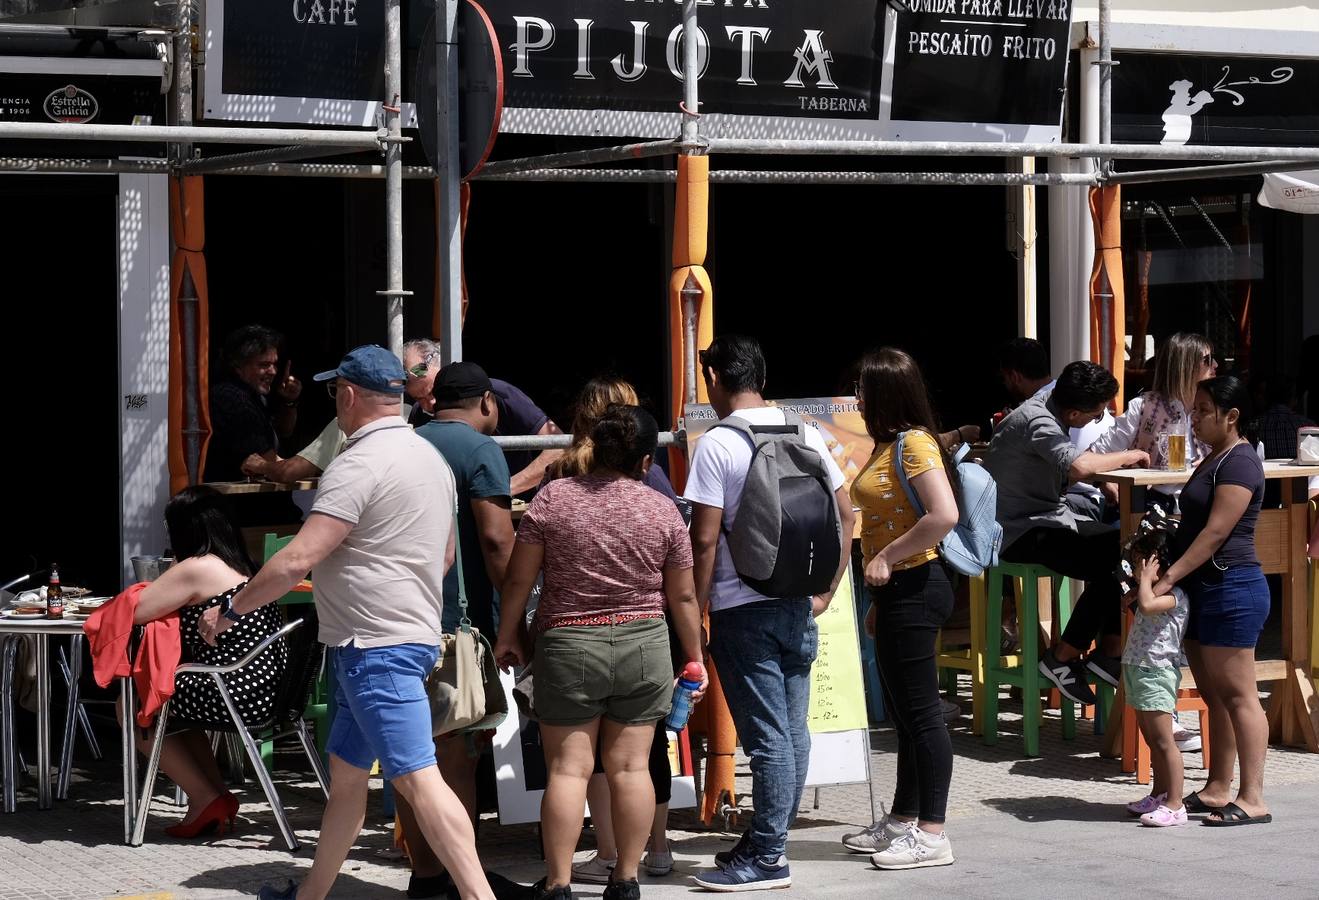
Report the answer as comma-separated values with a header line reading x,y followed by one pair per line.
x,y
690,242
464,201
1108,323
188,225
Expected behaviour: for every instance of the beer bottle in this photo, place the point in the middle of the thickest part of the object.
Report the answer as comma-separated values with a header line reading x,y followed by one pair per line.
x,y
54,596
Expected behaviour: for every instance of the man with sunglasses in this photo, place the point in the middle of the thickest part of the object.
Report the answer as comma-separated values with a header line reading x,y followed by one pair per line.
x,y
1034,461
518,414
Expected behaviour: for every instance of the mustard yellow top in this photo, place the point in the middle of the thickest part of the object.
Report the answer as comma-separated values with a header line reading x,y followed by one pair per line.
x,y
886,513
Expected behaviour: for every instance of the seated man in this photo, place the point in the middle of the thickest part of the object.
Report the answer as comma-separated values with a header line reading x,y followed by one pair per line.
x,y
1034,461
309,462
518,414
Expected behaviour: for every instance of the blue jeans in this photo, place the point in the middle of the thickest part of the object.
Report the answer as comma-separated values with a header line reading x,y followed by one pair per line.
x,y
764,653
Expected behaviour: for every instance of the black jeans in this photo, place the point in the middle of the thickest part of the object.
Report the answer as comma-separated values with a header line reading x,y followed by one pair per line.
x,y
909,611
1090,553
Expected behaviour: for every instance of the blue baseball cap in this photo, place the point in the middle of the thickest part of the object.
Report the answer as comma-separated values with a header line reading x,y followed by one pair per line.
x,y
369,366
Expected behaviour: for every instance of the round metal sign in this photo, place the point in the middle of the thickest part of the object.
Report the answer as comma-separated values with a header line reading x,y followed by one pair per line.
x,y
480,88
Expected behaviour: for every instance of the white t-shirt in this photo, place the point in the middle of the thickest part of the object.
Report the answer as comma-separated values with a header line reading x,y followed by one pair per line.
x,y
718,474
384,585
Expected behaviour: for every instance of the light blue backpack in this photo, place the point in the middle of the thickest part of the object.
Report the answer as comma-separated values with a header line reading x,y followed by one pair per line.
x,y
973,544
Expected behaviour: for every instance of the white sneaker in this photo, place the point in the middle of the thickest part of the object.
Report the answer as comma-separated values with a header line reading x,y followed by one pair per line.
x,y
916,849
876,837
1187,741
594,869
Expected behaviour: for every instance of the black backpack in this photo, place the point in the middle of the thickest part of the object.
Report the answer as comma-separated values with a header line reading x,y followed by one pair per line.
x,y
785,541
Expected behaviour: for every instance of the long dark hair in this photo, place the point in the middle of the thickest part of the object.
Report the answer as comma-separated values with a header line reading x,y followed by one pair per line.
x,y
896,399
624,436
1229,392
200,521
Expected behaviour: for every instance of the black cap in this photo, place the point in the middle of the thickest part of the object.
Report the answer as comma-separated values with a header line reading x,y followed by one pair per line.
x,y
460,381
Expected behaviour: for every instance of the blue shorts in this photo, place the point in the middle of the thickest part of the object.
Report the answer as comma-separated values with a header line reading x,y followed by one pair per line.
x,y
1228,609
383,712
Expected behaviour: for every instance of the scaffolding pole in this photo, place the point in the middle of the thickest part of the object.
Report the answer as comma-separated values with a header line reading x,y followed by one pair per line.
x,y
448,227
771,177
583,157
213,165
1194,173
161,134
393,104
765,147
563,441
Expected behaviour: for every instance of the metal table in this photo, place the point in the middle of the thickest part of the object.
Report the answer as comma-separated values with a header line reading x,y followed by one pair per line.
x,y
43,630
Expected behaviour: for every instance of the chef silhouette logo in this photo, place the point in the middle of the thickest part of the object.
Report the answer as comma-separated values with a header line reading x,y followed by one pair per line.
x,y
1183,105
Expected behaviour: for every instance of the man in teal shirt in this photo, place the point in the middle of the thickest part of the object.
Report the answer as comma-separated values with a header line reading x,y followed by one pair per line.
x,y
466,414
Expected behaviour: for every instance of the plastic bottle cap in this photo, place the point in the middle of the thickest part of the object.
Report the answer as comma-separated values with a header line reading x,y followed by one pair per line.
x,y
693,671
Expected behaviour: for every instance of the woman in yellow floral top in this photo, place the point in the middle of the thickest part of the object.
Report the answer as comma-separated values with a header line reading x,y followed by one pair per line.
x,y
911,596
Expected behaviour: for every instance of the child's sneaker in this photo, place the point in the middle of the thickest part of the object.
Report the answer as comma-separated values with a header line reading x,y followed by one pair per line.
x,y
1147,804
916,849
1163,817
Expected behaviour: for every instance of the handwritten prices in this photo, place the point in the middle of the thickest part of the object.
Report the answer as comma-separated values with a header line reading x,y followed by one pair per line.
x,y
838,701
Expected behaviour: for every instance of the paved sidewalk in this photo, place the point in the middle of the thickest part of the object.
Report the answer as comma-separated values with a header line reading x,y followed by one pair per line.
x,y
1026,828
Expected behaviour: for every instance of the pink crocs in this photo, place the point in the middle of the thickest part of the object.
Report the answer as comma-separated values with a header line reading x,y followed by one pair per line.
x,y
1163,817
1146,804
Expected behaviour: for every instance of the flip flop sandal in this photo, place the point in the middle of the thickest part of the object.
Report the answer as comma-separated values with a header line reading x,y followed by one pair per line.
x,y
1194,804
1234,815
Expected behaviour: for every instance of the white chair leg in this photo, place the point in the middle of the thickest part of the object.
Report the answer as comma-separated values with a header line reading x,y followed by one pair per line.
x,y
309,747
254,755
149,782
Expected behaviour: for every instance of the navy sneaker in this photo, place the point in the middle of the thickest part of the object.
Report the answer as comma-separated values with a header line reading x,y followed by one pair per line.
x,y
270,892
747,873
743,845
1067,677
1106,668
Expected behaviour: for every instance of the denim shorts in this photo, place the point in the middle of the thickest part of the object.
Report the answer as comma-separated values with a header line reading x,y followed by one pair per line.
x,y
1228,609
383,712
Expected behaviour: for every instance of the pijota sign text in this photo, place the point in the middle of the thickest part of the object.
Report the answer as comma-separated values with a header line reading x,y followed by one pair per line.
x,y
767,68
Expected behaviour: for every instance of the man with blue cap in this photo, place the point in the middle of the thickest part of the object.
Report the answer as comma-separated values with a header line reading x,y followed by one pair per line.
x,y
382,519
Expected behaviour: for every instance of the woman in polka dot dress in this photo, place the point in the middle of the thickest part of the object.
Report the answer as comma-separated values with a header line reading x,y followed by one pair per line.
x,y
212,564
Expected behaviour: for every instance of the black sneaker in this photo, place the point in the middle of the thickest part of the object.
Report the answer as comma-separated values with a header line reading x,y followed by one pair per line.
x,y
540,892
743,845
623,890
1068,678
1106,668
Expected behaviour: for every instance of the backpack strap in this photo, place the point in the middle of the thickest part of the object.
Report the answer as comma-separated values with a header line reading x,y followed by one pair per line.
x,y
463,621
902,474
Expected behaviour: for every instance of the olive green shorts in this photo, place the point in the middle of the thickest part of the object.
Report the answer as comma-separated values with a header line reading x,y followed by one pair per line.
x,y
1152,688
621,672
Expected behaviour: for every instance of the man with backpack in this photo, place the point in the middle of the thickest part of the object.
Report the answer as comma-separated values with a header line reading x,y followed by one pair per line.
x,y
771,533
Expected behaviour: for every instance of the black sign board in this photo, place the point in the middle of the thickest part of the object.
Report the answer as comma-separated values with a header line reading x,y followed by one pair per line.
x,y
968,69
1227,101
989,61
73,99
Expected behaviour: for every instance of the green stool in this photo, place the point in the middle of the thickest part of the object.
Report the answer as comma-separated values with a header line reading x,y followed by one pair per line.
x,y
1026,673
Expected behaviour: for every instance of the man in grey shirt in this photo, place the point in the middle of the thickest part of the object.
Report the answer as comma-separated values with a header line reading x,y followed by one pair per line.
x,y
1034,461
378,542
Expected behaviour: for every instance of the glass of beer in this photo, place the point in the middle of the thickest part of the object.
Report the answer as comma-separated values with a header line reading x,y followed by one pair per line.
x,y
1176,452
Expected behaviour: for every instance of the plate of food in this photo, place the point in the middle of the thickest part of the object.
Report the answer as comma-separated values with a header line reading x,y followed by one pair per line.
x,y
23,612
90,603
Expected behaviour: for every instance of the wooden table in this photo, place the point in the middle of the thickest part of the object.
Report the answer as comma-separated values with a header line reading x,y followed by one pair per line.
x,y
1281,537
262,487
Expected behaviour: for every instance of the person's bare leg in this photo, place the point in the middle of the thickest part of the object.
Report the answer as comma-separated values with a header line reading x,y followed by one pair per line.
x,y
1237,688
1156,727
447,828
340,825
458,769
625,750
659,829
200,747
1223,761
181,766
569,759
602,816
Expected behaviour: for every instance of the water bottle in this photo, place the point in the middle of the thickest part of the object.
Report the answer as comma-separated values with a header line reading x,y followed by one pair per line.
x,y
688,682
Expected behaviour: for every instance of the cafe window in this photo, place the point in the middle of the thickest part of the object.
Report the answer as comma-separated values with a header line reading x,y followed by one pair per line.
x,y
1191,263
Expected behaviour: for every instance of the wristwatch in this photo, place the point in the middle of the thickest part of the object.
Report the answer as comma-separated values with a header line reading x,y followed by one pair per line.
x,y
227,609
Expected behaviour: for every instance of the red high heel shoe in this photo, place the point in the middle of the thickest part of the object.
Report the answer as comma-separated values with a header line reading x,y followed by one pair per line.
x,y
217,814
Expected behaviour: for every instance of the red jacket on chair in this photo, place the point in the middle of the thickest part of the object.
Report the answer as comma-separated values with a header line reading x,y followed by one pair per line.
x,y
109,630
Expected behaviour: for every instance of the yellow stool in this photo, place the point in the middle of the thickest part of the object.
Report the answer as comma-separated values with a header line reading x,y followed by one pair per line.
x,y
972,659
